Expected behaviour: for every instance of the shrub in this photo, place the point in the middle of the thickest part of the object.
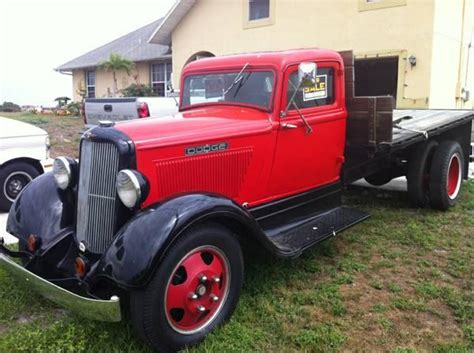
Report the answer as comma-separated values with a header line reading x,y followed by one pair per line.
x,y
138,90
10,107
74,108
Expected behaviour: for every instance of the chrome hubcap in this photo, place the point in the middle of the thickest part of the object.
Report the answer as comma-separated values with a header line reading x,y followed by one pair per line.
x,y
14,184
201,290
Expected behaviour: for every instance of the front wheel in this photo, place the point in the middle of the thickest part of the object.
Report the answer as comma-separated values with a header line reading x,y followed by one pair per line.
x,y
195,288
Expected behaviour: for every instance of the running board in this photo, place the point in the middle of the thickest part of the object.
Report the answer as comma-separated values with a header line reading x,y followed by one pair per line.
x,y
292,240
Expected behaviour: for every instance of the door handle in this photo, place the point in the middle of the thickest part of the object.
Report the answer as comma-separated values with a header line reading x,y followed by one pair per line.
x,y
289,126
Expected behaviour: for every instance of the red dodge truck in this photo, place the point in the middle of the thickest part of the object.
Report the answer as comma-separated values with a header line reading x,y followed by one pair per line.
x,y
152,219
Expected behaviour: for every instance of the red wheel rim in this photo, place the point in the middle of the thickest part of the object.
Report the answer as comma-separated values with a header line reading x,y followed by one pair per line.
x,y
454,177
197,289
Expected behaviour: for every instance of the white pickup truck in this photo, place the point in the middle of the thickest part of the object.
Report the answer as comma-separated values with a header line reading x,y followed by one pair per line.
x,y
24,154
127,108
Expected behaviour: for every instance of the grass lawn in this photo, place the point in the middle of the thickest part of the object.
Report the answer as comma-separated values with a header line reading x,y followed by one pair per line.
x,y
63,131
403,281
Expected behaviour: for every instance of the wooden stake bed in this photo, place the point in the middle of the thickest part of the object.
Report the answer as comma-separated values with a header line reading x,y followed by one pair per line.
x,y
376,131
370,118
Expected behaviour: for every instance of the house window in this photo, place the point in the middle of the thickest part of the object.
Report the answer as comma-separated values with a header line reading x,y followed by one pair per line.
x,y
259,9
160,78
90,84
258,13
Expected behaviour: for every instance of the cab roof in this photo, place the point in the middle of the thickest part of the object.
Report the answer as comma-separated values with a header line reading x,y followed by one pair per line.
x,y
276,59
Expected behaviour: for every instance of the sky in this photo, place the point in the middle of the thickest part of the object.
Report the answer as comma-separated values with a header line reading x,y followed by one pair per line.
x,y
38,36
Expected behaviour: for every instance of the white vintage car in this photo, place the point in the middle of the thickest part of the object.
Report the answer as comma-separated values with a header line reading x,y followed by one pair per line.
x,y
24,154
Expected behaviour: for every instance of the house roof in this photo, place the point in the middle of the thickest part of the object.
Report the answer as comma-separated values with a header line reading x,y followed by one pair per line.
x,y
162,34
133,46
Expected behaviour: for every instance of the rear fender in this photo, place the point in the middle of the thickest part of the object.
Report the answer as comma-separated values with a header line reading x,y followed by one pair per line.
x,y
141,243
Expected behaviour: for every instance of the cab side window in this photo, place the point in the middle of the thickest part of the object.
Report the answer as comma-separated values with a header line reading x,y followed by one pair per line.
x,y
309,97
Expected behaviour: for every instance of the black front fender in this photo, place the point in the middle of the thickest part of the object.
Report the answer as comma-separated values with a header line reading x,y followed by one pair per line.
x,y
141,243
42,210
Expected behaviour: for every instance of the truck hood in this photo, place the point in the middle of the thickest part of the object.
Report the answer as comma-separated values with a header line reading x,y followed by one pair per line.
x,y
196,125
14,128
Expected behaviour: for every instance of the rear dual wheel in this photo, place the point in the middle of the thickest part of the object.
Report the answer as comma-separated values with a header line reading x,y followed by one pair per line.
x,y
435,174
195,288
447,170
418,174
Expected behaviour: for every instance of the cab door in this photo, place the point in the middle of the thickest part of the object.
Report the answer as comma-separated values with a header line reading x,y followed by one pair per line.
x,y
306,160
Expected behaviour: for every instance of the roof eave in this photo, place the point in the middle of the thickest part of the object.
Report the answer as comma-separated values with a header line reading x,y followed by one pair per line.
x,y
162,34
62,70
70,69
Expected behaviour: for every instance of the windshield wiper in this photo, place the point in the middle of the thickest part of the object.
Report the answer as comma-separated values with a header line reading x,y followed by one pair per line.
x,y
241,83
237,79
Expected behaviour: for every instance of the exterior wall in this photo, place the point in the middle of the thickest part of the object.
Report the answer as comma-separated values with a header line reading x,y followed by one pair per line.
x,y
450,52
220,27
105,83
78,84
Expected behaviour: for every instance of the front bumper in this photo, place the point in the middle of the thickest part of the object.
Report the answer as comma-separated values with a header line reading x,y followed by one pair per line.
x,y
101,310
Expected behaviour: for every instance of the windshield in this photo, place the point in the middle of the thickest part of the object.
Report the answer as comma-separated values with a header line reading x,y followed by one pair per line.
x,y
249,88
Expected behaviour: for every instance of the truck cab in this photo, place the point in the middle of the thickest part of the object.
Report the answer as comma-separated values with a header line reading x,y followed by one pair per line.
x,y
235,111
154,217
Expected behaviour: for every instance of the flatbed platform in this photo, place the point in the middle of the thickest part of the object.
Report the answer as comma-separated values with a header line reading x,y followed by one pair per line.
x,y
416,125
393,133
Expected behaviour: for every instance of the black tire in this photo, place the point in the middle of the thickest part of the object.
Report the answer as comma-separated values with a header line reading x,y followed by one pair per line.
x,y
380,178
151,316
447,171
13,178
418,174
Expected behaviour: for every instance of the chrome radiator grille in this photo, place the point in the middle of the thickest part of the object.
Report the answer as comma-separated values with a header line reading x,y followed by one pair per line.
x,y
97,204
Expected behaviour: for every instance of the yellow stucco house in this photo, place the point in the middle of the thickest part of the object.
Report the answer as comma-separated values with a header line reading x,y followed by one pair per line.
x,y
420,51
152,65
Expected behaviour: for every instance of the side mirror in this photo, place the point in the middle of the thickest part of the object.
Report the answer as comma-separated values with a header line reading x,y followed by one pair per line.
x,y
170,87
170,90
307,74
307,79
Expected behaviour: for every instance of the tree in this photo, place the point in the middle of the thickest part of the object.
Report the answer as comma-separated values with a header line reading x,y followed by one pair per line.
x,y
117,63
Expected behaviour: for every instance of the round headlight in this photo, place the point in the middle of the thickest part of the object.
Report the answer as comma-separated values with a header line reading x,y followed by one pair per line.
x,y
62,171
131,187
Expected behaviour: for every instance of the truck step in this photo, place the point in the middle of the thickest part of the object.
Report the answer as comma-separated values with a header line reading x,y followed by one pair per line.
x,y
296,238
